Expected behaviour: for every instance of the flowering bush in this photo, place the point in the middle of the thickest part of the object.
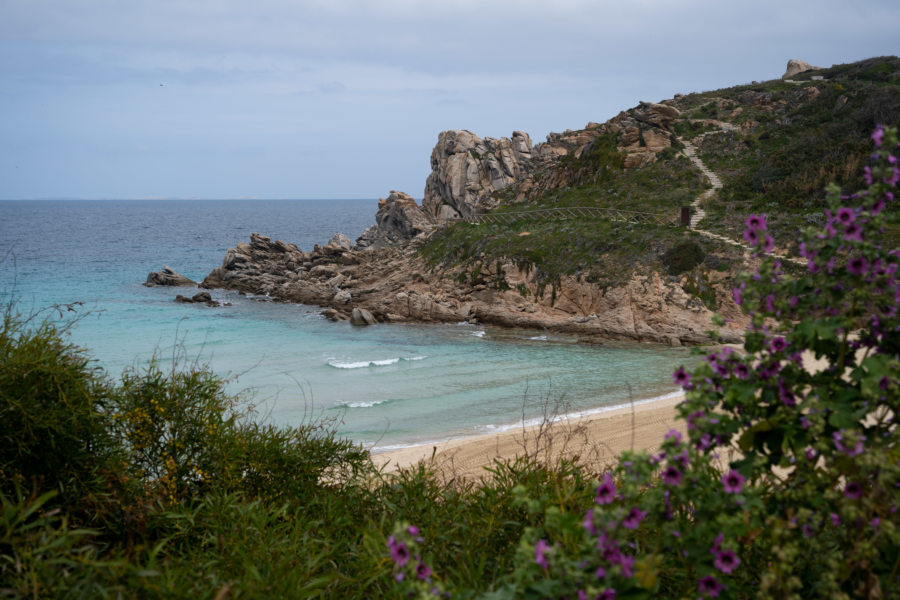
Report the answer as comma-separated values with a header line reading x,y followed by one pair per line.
x,y
788,482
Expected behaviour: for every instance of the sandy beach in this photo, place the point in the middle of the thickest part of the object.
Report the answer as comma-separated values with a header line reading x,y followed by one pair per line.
x,y
597,439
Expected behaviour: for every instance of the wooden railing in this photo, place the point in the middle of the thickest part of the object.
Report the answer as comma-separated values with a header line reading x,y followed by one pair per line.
x,y
573,212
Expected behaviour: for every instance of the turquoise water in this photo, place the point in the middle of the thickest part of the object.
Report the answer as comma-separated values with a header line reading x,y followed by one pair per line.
x,y
388,385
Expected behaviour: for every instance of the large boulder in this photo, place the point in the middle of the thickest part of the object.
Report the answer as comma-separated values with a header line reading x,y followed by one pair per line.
x,y
797,66
360,316
339,240
657,115
168,276
466,171
399,219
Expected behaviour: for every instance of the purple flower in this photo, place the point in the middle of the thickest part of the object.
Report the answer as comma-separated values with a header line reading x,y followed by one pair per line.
x,y
858,265
736,294
867,174
894,179
768,244
673,435
751,236
786,395
741,371
811,453
853,490
853,233
606,491
846,215
634,518
423,571
399,551
607,594
778,344
835,519
589,522
539,557
600,573
626,563
681,377
727,561
878,136
709,586
672,475
733,481
756,222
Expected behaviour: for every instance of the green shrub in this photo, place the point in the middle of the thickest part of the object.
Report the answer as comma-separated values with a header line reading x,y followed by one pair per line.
x,y
53,426
683,257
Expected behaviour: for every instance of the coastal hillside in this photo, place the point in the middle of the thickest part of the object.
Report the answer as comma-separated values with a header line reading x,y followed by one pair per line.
x,y
774,146
628,229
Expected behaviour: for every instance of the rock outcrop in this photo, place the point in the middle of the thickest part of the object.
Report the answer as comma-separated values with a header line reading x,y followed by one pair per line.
x,y
392,284
168,276
200,298
399,219
797,66
466,171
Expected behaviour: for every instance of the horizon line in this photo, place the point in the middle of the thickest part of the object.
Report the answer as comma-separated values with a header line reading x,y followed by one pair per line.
x,y
165,198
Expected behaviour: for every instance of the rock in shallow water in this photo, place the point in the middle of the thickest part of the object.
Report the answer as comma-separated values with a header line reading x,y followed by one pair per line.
x,y
167,276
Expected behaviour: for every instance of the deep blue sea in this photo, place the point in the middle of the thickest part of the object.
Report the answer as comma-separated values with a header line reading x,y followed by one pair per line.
x,y
389,385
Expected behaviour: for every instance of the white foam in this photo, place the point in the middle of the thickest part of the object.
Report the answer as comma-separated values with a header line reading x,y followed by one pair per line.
x,y
363,363
363,404
479,333
539,338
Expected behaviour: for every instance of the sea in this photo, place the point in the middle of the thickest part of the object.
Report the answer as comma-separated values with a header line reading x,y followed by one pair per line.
x,y
385,386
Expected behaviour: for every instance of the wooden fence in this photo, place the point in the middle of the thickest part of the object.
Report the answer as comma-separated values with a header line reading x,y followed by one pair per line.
x,y
574,212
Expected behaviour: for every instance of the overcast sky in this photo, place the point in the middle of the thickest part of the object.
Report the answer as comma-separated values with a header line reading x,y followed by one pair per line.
x,y
345,98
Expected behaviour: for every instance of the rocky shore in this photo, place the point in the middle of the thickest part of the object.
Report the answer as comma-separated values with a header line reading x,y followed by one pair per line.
x,y
382,278
394,285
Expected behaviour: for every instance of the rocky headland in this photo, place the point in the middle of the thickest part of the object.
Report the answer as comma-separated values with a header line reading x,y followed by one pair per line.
x,y
384,274
718,155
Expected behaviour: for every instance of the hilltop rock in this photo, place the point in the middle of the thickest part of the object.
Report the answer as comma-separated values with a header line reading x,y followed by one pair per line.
x,y
167,276
657,115
399,219
797,66
466,170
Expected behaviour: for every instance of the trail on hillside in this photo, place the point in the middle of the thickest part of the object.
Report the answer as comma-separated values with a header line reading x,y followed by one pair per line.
x,y
697,212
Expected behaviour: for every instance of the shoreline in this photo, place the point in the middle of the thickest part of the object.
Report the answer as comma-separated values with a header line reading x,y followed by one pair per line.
x,y
596,436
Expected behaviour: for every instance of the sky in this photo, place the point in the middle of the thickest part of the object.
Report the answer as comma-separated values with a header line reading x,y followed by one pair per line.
x,y
346,98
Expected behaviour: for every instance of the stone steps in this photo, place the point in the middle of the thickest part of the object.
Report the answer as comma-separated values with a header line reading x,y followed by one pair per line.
x,y
698,214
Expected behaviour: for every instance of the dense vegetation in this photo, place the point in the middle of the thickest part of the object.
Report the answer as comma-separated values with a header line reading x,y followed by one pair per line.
x,y
790,141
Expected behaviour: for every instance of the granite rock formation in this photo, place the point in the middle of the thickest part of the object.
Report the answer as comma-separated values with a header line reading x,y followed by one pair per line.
x,y
466,170
797,66
392,284
168,276
399,219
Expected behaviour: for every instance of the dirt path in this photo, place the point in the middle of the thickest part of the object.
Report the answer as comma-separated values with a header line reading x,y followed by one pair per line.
x,y
697,212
